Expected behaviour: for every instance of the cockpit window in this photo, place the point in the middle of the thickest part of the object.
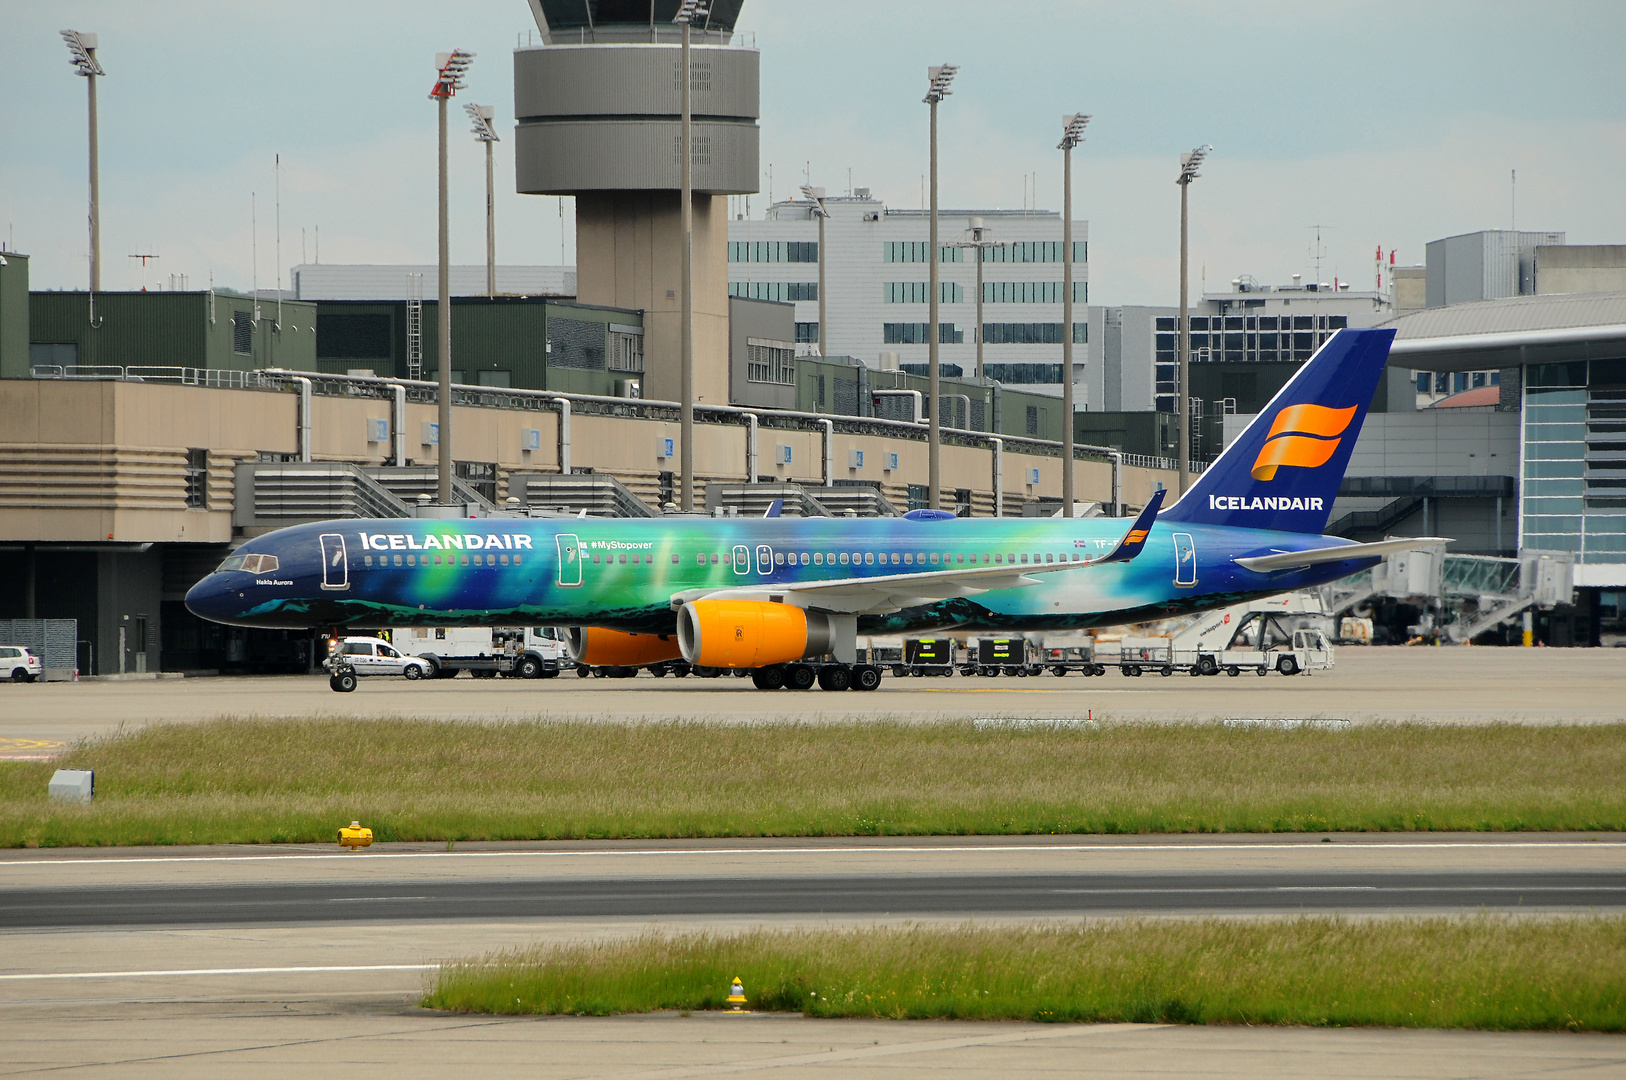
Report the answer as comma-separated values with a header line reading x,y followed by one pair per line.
x,y
249,564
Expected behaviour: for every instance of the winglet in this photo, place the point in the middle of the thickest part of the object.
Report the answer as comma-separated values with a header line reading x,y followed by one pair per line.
x,y
1135,538
775,508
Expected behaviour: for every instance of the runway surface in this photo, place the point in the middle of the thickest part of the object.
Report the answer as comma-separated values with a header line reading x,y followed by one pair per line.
x,y
300,961
966,895
942,877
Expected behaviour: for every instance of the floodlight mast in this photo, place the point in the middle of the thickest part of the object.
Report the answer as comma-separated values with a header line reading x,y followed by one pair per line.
x,y
82,55
940,78
816,197
482,116
451,67
980,242
1189,165
688,11
1072,134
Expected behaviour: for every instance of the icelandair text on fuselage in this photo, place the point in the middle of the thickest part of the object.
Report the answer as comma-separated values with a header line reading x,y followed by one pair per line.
x,y
445,541
1261,502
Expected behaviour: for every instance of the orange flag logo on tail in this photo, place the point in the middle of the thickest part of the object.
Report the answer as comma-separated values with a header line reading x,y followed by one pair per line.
x,y
1303,436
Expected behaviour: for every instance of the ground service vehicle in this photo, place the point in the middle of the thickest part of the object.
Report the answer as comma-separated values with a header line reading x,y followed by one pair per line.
x,y
1071,658
775,596
1005,656
926,656
18,664
1258,636
354,657
530,652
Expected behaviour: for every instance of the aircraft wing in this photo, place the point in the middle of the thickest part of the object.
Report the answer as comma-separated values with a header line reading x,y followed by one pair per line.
x,y
1289,560
892,592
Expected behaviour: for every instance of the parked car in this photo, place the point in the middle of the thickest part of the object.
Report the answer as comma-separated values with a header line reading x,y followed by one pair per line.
x,y
18,664
358,656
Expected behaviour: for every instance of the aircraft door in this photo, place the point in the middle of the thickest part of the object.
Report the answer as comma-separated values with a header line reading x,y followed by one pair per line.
x,y
1185,561
335,566
764,559
570,559
742,559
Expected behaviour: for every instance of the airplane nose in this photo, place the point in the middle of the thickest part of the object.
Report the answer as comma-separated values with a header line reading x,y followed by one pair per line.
x,y
212,599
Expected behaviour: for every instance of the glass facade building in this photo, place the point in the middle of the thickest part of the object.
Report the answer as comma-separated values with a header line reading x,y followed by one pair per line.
x,y
1573,498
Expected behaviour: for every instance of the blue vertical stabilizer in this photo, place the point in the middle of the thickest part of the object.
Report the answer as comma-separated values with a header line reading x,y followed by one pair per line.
x,y
1284,471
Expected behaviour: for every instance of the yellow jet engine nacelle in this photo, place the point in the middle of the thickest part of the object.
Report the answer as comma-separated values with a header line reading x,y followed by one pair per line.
x,y
598,647
751,633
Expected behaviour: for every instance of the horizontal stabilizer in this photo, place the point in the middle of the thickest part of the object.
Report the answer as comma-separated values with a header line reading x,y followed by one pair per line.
x,y
1288,560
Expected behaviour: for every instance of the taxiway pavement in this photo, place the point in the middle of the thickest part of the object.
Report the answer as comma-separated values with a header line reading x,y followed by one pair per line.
x,y
1431,685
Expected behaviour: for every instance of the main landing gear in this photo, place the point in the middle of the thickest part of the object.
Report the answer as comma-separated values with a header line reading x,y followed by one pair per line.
x,y
828,676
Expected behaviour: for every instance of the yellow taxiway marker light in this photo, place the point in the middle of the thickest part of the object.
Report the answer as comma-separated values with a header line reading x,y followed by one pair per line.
x,y
355,836
736,997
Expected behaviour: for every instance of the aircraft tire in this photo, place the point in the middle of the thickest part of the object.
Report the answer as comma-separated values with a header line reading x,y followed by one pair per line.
x,y
799,677
835,677
344,682
866,677
769,678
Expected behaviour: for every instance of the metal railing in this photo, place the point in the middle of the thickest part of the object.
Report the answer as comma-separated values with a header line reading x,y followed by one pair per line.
x,y
220,378
423,392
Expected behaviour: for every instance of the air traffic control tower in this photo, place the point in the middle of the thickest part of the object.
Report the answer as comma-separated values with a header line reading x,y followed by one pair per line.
x,y
598,110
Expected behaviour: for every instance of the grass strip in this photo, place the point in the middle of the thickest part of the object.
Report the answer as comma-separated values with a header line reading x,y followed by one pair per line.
x,y
270,781
1486,972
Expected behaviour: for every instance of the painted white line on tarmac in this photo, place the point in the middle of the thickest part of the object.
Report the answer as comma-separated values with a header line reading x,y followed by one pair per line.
x,y
188,972
970,849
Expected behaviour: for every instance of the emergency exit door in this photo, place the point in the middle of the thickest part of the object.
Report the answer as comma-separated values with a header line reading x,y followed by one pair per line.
x,y
570,559
1185,561
335,566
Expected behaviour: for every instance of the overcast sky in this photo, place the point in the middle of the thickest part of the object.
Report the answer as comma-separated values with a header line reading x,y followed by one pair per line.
x,y
1387,124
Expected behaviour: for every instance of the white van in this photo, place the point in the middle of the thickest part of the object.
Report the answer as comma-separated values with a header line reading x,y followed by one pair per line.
x,y
357,656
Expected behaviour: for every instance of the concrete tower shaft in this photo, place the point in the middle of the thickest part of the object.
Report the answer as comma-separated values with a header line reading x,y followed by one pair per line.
x,y
603,122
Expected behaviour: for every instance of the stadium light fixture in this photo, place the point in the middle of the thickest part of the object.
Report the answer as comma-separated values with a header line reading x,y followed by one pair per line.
x,y
816,197
1072,133
82,55
688,12
938,80
1190,163
482,116
450,67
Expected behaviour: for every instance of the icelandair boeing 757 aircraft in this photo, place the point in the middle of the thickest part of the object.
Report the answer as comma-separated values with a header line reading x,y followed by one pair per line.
x,y
760,593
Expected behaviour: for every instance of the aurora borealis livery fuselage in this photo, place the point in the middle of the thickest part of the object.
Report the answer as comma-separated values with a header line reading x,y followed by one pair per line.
x,y
1270,493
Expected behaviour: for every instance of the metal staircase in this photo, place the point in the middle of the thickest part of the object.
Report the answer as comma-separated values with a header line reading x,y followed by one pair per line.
x,y
599,494
407,482
753,500
1379,520
861,499
273,494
